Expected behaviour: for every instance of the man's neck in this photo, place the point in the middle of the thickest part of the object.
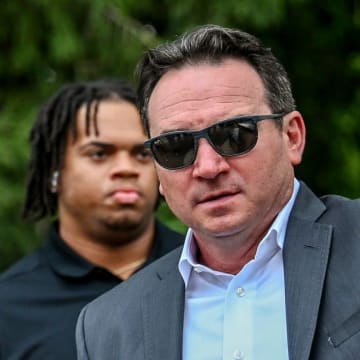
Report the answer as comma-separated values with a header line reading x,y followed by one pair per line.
x,y
122,258
228,259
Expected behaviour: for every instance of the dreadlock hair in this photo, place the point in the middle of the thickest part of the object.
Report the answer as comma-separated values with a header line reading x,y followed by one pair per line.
x,y
50,133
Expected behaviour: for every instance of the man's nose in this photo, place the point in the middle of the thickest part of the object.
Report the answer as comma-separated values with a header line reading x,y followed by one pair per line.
x,y
208,163
124,165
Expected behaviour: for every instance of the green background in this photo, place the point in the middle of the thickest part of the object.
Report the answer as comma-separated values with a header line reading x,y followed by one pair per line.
x,y
45,43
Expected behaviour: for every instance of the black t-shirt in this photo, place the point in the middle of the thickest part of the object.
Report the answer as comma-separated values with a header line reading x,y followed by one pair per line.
x,y
42,294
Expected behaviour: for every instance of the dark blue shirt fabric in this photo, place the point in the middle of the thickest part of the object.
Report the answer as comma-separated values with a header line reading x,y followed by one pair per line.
x,y
42,294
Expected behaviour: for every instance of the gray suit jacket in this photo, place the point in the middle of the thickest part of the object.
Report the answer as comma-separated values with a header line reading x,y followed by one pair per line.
x,y
142,318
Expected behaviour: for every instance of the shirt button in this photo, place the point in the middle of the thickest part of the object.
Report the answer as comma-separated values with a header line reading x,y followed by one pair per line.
x,y
240,292
238,355
197,269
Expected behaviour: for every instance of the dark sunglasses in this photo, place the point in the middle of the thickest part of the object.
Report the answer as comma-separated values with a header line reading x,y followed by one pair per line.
x,y
231,137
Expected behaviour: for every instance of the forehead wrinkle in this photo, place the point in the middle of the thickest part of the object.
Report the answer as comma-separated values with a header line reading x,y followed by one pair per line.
x,y
191,95
221,99
190,108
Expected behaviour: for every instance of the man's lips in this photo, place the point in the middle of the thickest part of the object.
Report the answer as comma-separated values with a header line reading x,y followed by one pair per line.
x,y
216,196
125,196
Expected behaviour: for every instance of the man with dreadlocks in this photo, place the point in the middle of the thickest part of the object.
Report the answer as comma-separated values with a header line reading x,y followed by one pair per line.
x,y
90,172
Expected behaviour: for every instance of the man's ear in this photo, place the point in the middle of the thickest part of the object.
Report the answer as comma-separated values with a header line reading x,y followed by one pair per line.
x,y
295,133
54,182
161,190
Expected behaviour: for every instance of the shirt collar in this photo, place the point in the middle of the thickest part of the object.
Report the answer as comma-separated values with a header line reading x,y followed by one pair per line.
x,y
68,263
62,258
275,237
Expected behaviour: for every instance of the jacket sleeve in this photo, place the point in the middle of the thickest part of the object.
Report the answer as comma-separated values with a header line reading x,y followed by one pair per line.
x,y
82,353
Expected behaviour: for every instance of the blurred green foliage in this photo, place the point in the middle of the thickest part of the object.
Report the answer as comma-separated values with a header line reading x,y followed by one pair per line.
x,y
45,43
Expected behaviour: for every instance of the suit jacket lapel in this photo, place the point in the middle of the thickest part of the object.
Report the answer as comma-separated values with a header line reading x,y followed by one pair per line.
x,y
163,313
306,253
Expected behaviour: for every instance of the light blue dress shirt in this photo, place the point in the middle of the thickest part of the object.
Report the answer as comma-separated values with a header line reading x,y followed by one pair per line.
x,y
242,316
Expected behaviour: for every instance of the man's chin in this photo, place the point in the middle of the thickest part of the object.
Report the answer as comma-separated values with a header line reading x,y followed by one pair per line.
x,y
127,225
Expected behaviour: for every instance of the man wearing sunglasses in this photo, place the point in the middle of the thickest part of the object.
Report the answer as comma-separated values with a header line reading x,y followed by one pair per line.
x,y
266,271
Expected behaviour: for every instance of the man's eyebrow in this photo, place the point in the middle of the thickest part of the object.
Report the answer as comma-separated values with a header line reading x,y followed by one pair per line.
x,y
97,144
106,145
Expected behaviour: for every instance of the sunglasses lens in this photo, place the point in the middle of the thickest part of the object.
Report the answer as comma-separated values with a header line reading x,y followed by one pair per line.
x,y
174,151
233,138
229,138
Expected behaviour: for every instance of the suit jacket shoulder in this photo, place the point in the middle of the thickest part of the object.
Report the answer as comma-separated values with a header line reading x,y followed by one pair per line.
x,y
145,305
341,209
